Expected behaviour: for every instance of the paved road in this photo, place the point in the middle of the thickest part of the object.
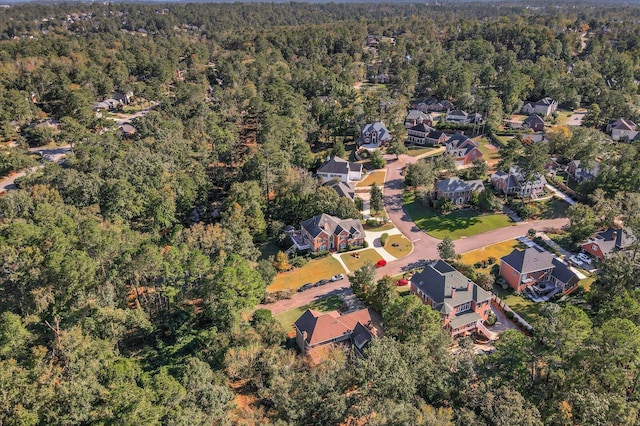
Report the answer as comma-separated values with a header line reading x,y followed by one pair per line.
x,y
51,154
425,246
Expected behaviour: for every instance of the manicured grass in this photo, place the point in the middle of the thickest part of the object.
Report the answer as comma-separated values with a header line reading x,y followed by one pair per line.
x,y
403,249
354,263
313,271
489,152
327,304
563,116
495,250
270,248
457,224
520,304
415,152
387,226
586,283
377,177
553,208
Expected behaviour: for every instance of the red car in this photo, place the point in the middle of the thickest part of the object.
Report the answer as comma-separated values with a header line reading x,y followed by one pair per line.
x,y
381,263
402,282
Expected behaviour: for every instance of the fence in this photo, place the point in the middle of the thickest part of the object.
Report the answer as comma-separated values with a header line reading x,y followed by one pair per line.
x,y
517,318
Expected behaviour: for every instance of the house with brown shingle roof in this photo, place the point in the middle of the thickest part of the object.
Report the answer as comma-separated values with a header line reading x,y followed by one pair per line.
x,y
314,330
329,233
622,129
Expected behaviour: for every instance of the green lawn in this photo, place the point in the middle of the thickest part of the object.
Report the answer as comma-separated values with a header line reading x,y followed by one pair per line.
x,y
313,271
457,224
587,282
495,250
489,152
403,248
553,208
562,117
327,304
520,304
414,152
385,227
354,263
376,176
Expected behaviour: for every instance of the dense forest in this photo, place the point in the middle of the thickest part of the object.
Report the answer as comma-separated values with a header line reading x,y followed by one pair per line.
x,y
131,270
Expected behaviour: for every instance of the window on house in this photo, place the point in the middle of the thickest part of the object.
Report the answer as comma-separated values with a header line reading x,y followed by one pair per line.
x,y
463,308
515,273
594,247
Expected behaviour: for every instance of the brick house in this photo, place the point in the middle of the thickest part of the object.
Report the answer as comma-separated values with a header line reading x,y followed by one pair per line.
x,y
608,241
542,107
375,134
329,233
457,190
462,304
514,183
462,149
525,268
415,117
534,122
315,330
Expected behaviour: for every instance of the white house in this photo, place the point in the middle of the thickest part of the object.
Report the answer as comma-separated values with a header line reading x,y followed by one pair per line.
x,y
622,129
337,168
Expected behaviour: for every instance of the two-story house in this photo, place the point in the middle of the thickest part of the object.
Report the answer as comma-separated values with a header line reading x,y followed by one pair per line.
x,y
415,117
542,107
375,134
609,241
462,117
534,122
581,173
329,233
525,268
462,304
338,169
462,149
457,190
514,183
423,135
622,129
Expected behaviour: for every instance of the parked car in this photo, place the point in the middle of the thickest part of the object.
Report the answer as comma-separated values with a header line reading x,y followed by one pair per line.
x,y
321,282
402,282
304,287
337,277
584,258
381,263
575,260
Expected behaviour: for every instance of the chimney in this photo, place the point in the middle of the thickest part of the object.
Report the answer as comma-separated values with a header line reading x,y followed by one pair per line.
x,y
326,225
469,285
453,292
305,335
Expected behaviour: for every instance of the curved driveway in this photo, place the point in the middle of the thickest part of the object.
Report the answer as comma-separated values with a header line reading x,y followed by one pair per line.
x,y
425,246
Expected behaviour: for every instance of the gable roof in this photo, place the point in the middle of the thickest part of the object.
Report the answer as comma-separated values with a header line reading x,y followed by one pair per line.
x,y
562,273
546,101
343,189
331,225
532,259
415,114
623,124
533,119
337,165
421,127
459,112
438,279
434,134
455,184
616,237
323,327
383,132
458,139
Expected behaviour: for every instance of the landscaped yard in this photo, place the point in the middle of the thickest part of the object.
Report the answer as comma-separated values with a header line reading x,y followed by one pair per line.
x,y
383,227
313,271
414,152
354,263
403,246
377,177
490,153
520,304
495,250
586,283
562,117
553,208
327,304
457,224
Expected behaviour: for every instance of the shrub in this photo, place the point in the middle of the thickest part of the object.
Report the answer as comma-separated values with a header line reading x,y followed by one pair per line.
x,y
319,254
491,320
277,295
366,244
509,315
491,260
477,265
383,239
372,223
299,262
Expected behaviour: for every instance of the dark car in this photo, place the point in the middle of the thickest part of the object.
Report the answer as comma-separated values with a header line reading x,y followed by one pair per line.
x,y
304,287
321,282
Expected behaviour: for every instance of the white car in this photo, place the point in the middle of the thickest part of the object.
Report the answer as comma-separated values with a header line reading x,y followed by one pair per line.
x,y
584,258
576,261
337,277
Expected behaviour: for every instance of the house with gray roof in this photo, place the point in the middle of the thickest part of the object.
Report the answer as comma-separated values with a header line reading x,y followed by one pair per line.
x,y
344,189
375,135
329,233
526,268
514,183
544,107
462,304
622,129
415,117
338,169
534,122
423,135
463,149
609,241
457,190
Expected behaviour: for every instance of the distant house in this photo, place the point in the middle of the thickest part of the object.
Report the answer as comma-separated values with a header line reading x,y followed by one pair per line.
x,y
344,189
531,138
542,107
457,190
462,149
581,173
329,233
525,268
415,117
127,130
337,168
462,117
534,122
314,330
423,135
372,41
123,97
375,134
553,166
107,105
609,241
433,105
381,78
514,183
462,304
622,129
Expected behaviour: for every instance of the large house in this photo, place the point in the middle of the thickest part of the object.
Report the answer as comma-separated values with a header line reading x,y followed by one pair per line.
x,y
329,233
338,169
534,122
581,173
314,330
375,134
433,105
543,107
526,268
462,149
622,129
344,189
514,183
415,117
421,134
457,190
609,241
462,304
462,117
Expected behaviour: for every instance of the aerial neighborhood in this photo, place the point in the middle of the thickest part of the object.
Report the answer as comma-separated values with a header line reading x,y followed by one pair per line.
x,y
320,213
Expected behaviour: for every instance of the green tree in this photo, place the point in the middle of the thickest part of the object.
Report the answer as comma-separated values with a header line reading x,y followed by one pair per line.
x,y
407,319
375,201
446,248
363,281
582,222
396,148
376,160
